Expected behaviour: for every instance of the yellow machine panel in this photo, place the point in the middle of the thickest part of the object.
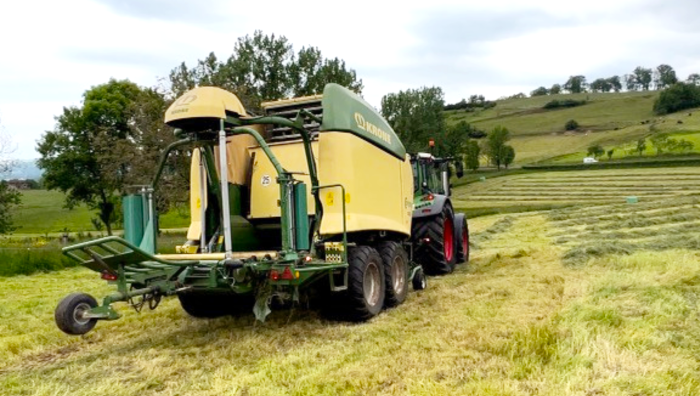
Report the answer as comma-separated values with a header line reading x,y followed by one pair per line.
x,y
203,102
265,192
378,186
197,201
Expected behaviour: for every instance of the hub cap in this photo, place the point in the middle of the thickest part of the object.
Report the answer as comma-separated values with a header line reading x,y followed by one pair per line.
x,y
371,284
79,313
398,274
449,239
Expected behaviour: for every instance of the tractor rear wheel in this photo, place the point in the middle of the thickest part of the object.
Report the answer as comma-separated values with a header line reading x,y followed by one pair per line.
x,y
462,238
365,295
435,239
395,261
213,305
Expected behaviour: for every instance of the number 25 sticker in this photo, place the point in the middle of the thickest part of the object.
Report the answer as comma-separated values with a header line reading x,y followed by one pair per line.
x,y
266,180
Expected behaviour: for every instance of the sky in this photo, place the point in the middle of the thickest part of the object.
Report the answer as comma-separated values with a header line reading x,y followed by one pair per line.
x,y
53,51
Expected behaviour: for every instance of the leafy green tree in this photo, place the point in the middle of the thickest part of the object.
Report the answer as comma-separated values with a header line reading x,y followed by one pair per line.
x,y
571,125
265,67
416,116
73,154
660,142
601,85
693,79
615,83
472,152
495,142
664,76
678,97
575,84
555,90
642,78
508,155
610,154
541,91
595,150
631,82
641,146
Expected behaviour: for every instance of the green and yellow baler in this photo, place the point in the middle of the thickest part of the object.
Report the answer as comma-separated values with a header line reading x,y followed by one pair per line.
x,y
314,195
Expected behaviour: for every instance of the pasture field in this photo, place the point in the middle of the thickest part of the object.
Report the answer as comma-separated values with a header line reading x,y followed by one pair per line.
x,y
42,212
579,187
546,307
614,120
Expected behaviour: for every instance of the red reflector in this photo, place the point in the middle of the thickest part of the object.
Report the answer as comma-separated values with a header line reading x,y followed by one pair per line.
x,y
109,276
429,197
287,274
425,210
274,275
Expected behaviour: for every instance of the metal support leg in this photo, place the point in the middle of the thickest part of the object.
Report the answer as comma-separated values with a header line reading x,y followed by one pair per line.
x,y
223,166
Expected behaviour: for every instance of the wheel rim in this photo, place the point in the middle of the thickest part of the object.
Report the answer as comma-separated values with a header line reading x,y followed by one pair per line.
x,y
371,285
398,274
449,240
79,313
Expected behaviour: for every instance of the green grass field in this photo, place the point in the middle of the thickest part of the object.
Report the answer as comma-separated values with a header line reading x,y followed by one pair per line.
x,y
43,212
613,120
531,315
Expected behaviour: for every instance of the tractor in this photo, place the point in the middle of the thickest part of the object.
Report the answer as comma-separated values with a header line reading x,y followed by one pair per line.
x,y
440,236
314,196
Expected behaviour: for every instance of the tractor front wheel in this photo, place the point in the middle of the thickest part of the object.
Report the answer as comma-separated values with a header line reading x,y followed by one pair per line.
x,y
70,314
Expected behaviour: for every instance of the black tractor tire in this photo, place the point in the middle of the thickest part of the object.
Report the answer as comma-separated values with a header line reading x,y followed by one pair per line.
x,y
462,238
214,305
364,297
68,314
419,281
438,255
395,259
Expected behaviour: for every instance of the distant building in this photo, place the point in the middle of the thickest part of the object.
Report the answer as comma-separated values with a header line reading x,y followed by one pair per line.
x,y
589,160
20,184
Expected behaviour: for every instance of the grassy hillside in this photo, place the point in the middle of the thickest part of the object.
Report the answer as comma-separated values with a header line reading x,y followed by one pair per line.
x,y
611,119
547,307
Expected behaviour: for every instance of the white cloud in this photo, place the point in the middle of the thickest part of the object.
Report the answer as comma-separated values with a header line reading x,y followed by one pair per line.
x,y
52,51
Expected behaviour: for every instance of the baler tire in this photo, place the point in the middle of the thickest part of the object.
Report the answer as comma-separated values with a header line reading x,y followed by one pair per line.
x,y
462,239
433,256
207,305
365,270
395,261
68,311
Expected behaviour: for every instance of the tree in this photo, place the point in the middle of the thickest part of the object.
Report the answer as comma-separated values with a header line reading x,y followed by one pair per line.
x,y
615,83
595,150
642,78
495,142
416,116
693,79
678,97
472,152
9,197
660,142
631,82
601,85
508,155
265,67
541,91
610,154
571,125
641,146
555,90
74,155
575,84
664,76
